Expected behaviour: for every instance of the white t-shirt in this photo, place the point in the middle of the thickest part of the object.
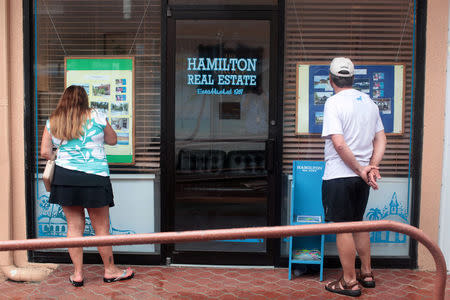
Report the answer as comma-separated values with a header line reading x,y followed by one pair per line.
x,y
354,115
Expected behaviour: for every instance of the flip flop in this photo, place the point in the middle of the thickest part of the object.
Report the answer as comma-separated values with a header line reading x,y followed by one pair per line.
x,y
366,283
76,283
120,278
347,289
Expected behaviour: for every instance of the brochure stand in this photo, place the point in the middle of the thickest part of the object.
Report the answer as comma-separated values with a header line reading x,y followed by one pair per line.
x,y
306,208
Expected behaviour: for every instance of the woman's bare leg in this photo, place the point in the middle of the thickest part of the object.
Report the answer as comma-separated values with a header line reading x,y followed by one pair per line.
x,y
75,228
100,222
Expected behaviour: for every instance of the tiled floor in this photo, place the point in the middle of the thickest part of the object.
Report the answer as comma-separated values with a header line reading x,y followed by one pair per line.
x,y
159,282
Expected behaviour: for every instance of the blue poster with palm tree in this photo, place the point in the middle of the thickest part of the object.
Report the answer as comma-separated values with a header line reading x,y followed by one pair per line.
x,y
393,211
52,221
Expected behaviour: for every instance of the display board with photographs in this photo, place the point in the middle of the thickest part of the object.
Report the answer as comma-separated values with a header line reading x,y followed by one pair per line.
x,y
385,84
109,83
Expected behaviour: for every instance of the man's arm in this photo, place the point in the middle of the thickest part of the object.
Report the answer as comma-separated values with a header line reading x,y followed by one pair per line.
x,y
349,158
379,146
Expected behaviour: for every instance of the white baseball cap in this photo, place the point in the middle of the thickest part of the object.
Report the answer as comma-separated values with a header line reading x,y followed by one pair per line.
x,y
342,67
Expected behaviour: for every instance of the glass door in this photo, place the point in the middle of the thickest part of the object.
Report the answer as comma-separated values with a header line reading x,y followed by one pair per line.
x,y
222,146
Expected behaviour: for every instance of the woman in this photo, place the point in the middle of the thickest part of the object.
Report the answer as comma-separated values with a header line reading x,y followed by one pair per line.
x,y
81,178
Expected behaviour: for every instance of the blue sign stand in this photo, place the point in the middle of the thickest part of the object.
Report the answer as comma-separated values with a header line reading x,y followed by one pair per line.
x,y
306,208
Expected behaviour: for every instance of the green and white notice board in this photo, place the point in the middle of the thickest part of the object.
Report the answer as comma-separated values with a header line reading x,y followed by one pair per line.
x,y
109,83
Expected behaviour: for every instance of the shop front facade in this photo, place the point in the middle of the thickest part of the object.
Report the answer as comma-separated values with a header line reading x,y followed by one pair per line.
x,y
212,102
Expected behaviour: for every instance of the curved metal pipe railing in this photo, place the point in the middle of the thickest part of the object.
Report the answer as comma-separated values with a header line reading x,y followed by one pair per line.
x,y
243,233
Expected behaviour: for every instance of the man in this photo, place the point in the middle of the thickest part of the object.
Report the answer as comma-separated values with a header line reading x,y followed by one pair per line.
x,y
354,146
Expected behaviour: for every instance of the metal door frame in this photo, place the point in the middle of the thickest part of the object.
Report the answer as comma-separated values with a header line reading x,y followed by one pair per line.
x,y
271,257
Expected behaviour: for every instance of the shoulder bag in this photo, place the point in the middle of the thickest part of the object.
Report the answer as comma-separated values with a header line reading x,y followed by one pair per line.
x,y
49,171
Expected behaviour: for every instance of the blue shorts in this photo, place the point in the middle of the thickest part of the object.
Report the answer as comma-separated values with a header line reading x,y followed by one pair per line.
x,y
344,199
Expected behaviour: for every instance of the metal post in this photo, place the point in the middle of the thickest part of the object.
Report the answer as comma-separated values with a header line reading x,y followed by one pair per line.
x,y
243,233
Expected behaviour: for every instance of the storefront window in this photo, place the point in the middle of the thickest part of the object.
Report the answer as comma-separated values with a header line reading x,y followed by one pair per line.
x,y
316,32
96,29
112,48
222,2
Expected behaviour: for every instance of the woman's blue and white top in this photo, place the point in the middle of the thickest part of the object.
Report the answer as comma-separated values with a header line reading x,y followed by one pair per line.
x,y
87,153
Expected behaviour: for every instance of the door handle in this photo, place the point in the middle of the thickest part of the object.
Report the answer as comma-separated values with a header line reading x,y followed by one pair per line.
x,y
270,145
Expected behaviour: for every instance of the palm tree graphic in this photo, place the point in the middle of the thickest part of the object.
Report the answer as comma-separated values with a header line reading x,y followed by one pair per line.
x,y
374,214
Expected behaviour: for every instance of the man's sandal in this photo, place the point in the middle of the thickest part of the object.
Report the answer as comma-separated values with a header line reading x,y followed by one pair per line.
x,y
366,283
347,288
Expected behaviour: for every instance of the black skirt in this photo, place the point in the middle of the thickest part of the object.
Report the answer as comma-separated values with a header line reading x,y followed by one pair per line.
x,y
75,188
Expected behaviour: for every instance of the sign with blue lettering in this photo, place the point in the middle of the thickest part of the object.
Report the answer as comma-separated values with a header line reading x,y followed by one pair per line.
x,y
225,71
383,83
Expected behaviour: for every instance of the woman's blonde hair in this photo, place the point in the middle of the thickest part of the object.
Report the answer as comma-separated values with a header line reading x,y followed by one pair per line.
x,y
71,113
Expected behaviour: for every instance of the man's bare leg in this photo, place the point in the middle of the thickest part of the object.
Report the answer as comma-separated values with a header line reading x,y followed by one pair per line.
x,y
347,253
362,243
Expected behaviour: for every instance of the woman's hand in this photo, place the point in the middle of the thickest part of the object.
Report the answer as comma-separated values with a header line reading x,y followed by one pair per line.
x,y
110,135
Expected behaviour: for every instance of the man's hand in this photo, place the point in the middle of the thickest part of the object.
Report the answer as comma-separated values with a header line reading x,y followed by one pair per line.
x,y
373,177
379,145
363,172
370,174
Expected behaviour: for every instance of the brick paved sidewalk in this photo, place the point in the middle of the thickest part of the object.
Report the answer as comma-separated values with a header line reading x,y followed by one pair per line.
x,y
160,282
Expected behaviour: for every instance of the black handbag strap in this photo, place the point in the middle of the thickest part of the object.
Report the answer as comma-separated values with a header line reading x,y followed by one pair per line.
x,y
55,153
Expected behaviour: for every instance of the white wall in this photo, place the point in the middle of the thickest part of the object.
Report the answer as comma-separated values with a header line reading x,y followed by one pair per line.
x,y
444,224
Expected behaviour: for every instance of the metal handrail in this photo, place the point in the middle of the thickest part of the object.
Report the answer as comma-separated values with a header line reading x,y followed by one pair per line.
x,y
242,233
